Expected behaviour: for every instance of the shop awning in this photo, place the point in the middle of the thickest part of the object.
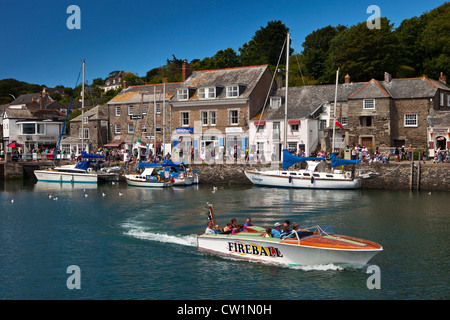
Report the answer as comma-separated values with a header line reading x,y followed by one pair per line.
x,y
261,123
293,121
113,144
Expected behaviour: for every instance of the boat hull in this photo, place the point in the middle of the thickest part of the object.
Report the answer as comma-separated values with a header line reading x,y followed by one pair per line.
x,y
275,251
73,177
283,179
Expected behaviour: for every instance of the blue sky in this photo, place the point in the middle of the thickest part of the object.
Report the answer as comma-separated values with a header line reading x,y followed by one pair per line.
x,y
136,36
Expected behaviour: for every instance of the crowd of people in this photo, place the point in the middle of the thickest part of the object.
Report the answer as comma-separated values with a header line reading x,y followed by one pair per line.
x,y
279,230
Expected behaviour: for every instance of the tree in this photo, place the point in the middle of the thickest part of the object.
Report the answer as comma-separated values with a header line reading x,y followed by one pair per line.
x,y
266,46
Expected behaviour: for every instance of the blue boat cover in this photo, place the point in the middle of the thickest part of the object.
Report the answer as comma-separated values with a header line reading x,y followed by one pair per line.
x,y
91,156
289,159
341,162
83,165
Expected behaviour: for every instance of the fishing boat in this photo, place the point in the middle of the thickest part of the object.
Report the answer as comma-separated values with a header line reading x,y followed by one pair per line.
x,y
87,170
318,245
153,176
182,175
314,176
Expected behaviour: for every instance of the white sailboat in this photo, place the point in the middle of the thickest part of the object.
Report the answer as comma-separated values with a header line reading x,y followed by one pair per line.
x,y
88,170
315,176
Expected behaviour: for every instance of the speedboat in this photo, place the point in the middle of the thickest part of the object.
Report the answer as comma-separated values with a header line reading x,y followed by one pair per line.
x,y
150,177
87,170
311,177
313,246
177,172
318,245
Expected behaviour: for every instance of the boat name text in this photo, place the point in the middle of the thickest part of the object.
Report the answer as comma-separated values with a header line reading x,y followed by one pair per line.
x,y
253,249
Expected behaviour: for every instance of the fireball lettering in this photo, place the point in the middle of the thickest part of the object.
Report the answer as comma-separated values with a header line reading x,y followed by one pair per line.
x,y
253,249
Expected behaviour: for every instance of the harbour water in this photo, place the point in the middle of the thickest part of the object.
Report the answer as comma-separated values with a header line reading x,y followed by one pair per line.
x,y
137,243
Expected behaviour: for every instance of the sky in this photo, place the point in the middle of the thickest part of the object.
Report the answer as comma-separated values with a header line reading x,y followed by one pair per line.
x,y
136,36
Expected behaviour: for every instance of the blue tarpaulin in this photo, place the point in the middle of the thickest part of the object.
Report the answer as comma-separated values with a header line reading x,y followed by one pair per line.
x,y
341,162
91,156
289,159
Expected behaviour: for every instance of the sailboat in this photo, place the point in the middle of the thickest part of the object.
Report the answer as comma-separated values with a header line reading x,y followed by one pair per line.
x,y
315,176
87,170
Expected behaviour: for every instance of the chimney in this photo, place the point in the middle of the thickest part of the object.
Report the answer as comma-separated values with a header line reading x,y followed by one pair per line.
x,y
387,77
185,70
125,85
347,78
443,78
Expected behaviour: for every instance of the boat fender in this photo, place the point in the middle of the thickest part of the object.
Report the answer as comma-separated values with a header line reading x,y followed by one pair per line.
x,y
290,179
312,179
89,170
348,174
181,176
159,178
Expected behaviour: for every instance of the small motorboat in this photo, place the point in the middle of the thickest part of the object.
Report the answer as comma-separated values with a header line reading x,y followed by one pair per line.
x,y
150,177
312,246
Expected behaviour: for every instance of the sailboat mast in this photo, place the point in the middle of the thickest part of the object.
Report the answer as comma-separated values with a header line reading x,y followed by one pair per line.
x,y
286,94
82,109
334,115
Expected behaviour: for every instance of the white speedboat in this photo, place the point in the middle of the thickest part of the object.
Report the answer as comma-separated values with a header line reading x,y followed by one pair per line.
x,y
309,178
317,246
85,171
154,177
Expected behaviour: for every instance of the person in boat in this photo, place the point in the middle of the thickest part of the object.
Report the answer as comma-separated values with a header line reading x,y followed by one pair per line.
x,y
228,228
234,223
286,229
276,230
248,223
238,228
299,233
217,230
268,233
210,228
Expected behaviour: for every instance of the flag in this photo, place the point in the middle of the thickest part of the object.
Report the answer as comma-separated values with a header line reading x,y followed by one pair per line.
x,y
339,125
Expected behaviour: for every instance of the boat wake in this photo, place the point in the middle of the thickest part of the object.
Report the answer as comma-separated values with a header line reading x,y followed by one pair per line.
x,y
140,232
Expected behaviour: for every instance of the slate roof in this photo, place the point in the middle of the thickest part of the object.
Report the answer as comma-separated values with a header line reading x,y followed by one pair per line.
x,y
439,119
34,114
246,77
132,94
306,99
99,112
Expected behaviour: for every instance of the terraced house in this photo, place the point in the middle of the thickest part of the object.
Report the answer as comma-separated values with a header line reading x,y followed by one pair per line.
x,y
142,112
211,111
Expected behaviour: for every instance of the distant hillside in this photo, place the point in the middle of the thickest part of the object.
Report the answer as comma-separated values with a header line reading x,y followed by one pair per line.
x,y
14,87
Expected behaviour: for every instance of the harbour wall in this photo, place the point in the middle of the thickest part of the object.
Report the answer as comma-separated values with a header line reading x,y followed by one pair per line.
x,y
393,176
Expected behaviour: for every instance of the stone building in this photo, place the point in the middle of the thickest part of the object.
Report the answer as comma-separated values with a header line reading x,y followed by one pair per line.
x,y
142,112
212,109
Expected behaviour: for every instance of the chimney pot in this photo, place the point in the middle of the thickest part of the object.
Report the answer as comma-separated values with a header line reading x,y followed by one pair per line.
x,y
443,78
347,78
387,77
125,84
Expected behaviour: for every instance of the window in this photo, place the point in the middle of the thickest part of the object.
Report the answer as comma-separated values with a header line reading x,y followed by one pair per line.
x,y
232,91
448,100
442,100
28,128
275,102
144,109
130,110
185,119
130,128
182,94
117,111
158,108
410,120
40,128
205,118
212,118
144,128
234,117
322,124
369,104
207,93
85,120
86,133
344,121
365,121
117,129
294,127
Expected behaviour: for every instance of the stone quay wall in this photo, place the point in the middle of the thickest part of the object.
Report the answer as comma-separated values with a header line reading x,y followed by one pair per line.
x,y
392,176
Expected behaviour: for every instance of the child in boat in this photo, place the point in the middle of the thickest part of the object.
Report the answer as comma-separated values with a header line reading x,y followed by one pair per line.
x,y
268,233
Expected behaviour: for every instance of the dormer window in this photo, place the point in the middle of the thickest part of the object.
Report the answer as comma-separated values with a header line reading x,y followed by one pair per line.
x,y
275,102
183,94
207,93
232,91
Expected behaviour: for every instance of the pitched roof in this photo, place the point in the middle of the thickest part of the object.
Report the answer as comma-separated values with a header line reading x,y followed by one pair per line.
x,y
247,77
439,119
372,89
34,114
99,112
306,99
133,94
